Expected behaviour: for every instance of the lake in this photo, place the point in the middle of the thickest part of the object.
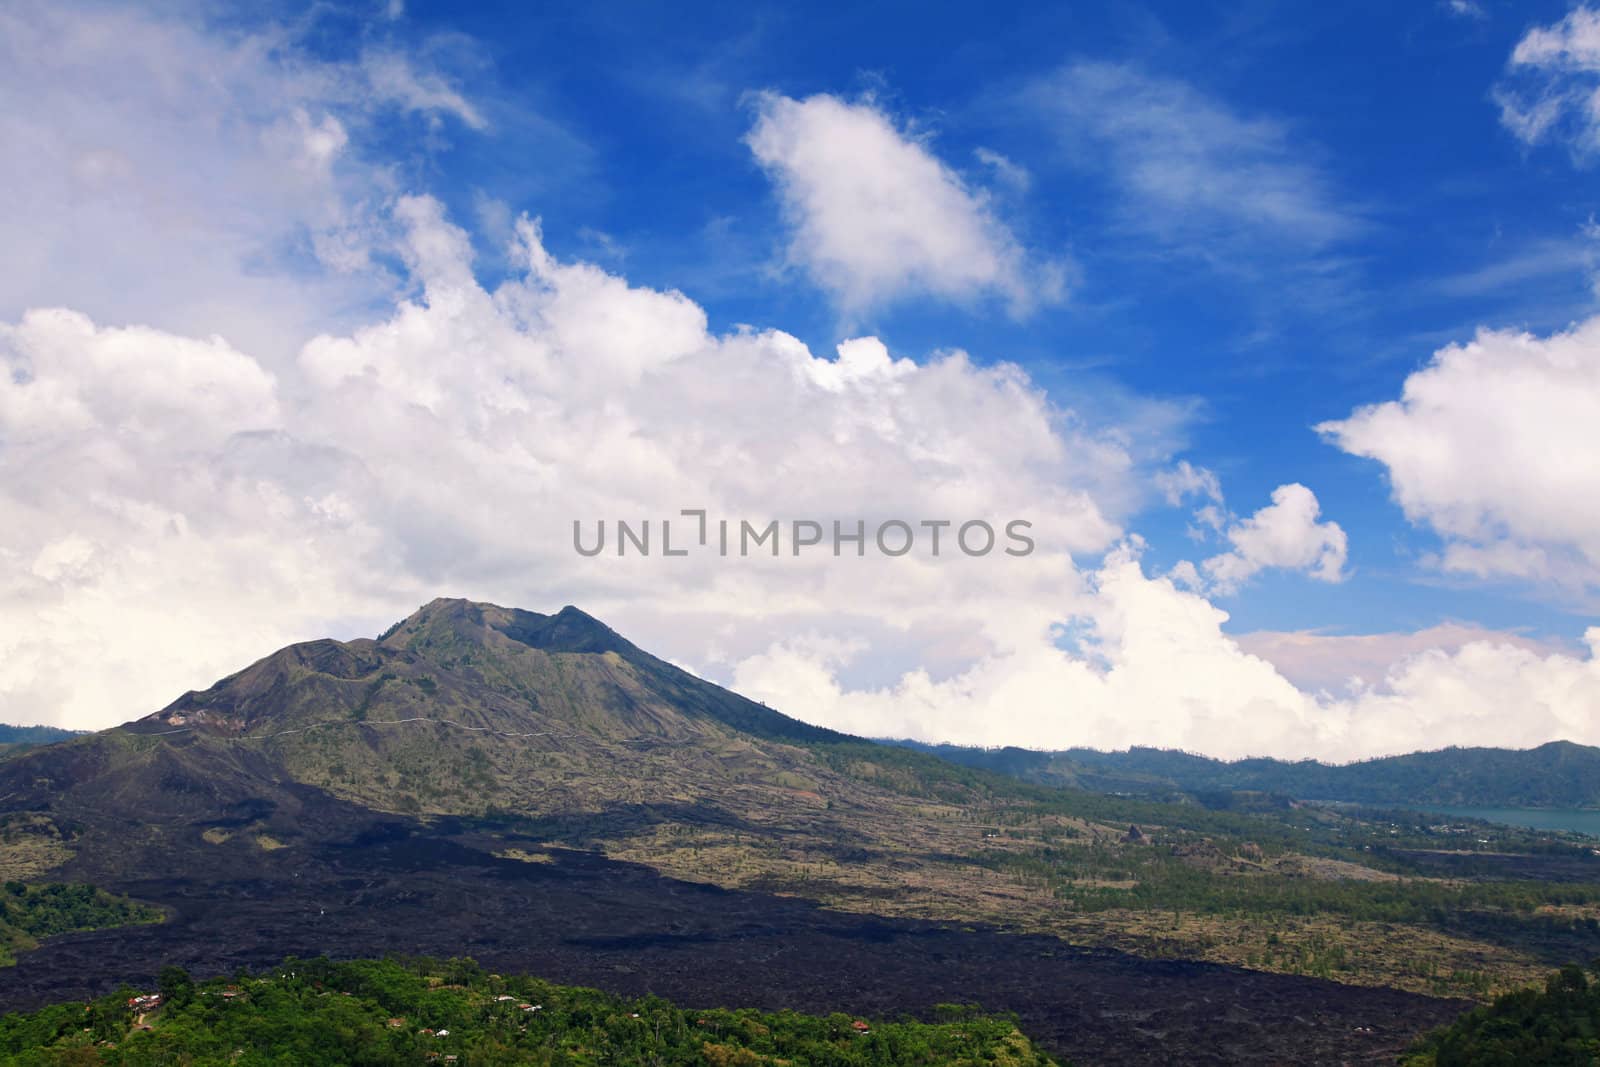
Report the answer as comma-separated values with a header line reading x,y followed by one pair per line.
x,y
1578,820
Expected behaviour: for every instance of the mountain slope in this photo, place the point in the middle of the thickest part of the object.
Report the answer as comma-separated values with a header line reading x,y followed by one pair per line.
x,y
469,708
461,710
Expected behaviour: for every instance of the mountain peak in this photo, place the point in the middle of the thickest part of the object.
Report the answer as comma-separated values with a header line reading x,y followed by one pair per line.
x,y
453,621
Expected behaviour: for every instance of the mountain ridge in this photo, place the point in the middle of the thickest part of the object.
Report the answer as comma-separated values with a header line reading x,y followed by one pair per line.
x,y
1556,774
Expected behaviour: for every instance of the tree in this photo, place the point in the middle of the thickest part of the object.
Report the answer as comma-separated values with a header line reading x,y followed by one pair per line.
x,y
175,986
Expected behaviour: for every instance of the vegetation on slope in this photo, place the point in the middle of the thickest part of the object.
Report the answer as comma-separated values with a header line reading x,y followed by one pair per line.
x,y
1559,1024
312,1012
28,913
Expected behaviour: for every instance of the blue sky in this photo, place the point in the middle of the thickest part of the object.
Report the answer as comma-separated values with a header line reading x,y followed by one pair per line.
x,y
1417,217
320,311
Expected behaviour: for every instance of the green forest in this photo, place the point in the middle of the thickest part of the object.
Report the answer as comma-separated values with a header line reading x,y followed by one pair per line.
x,y
28,913
1556,1025
369,1012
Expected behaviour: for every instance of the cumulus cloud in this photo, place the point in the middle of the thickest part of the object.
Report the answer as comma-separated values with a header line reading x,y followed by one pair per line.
x,y
875,215
151,503
449,446
1492,445
1154,661
1552,78
166,534
1285,533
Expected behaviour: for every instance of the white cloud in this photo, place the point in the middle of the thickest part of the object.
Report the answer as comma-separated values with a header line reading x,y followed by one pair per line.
x,y
1540,265
140,521
1156,664
1191,168
164,535
1468,9
1181,483
876,216
392,77
197,181
1492,445
1551,90
1572,43
1008,170
1337,663
1484,693
1186,480
448,447
1285,534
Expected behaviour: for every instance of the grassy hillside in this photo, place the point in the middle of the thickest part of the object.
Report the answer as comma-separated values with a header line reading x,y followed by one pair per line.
x,y
313,1012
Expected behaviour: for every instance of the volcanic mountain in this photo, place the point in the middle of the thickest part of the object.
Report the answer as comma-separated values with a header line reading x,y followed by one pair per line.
x,y
470,708
462,709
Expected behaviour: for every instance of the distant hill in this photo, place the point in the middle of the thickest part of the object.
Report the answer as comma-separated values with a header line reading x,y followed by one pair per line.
x,y
15,740
33,735
1555,775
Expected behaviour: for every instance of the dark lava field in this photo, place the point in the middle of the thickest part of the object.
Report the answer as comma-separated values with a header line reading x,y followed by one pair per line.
x,y
580,918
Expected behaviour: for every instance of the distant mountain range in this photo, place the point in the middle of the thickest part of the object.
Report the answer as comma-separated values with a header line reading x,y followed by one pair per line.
x,y
634,707
33,735
1555,775
15,739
